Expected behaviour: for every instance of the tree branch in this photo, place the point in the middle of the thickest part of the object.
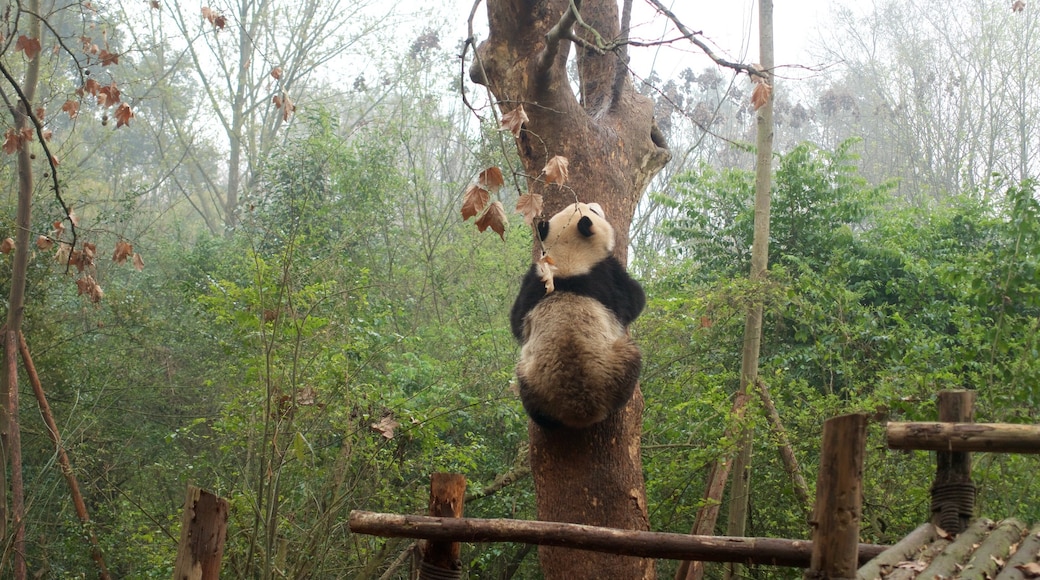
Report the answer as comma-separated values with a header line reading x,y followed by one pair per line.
x,y
692,37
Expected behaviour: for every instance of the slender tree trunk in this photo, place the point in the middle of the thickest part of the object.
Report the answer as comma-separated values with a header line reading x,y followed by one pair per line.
x,y
592,476
11,436
740,490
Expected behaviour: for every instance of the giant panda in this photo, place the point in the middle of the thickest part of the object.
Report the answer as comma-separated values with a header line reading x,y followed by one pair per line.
x,y
578,363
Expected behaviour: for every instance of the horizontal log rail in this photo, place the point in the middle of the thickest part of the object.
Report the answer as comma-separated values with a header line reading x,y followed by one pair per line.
x,y
992,437
768,551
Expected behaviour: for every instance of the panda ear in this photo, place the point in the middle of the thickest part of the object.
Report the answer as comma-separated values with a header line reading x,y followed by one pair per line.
x,y
543,230
585,226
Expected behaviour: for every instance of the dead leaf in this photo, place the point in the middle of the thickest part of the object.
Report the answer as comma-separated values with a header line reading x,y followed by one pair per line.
x,y
287,108
276,72
494,218
111,95
123,115
1018,6
12,142
59,228
544,268
71,107
530,206
44,243
556,170
213,17
40,113
30,46
1030,570
155,4
123,251
6,246
514,120
108,58
474,201
943,534
760,96
491,179
386,426
138,262
306,397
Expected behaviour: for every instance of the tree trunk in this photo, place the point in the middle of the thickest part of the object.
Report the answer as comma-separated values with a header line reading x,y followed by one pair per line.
x,y
10,437
614,148
740,490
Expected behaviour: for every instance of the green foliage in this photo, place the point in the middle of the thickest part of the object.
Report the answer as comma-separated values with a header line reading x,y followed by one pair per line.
x,y
870,306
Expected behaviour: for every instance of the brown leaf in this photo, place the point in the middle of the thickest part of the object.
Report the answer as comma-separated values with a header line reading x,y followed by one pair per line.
x,y
12,141
73,218
276,72
138,262
1018,6
530,206
6,246
287,108
544,268
491,179
44,243
123,251
91,87
108,58
30,46
213,17
40,113
1030,570
386,426
111,95
514,120
494,218
123,115
474,201
556,170
760,96
155,4
71,107
59,228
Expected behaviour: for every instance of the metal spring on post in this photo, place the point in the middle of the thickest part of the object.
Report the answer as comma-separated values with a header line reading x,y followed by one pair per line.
x,y
430,572
953,501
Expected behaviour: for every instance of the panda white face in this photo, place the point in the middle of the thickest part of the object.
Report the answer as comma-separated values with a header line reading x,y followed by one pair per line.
x,y
576,239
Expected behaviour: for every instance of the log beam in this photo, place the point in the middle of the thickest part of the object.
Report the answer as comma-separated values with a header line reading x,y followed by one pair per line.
x,y
766,551
992,437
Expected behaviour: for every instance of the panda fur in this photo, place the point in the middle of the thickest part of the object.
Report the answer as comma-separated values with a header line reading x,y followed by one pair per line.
x,y
578,363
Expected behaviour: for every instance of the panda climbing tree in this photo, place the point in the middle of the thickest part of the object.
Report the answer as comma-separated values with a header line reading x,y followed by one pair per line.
x,y
612,148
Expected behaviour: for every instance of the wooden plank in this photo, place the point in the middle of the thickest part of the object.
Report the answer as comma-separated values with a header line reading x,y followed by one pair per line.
x,y
994,437
766,551
839,498
905,550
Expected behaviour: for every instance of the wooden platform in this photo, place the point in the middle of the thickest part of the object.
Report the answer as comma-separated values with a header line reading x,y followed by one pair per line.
x,y
1004,550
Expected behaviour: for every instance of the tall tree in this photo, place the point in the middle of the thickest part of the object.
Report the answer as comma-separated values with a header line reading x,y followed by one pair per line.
x,y
608,134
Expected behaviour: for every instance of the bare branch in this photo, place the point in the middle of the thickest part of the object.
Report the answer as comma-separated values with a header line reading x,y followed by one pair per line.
x,y
692,37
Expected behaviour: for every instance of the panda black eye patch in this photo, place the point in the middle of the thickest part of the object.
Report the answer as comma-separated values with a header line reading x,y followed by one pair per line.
x,y
585,226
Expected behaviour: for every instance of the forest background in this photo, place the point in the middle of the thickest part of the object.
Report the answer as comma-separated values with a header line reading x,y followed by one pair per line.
x,y
312,328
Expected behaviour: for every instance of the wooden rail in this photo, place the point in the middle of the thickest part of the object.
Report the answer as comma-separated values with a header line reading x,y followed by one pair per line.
x,y
768,551
994,437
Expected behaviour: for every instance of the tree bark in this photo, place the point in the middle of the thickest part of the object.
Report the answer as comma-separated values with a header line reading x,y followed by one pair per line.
x,y
10,435
614,148
740,491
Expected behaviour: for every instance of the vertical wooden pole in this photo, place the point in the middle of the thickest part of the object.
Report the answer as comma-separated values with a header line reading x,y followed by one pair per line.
x,y
953,493
447,494
203,531
839,499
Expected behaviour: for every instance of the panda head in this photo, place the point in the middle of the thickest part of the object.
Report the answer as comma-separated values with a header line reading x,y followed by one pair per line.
x,y
576,239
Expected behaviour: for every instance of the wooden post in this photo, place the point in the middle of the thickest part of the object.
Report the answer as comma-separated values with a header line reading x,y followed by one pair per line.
x,y
953,493
203,531
447,495
839,501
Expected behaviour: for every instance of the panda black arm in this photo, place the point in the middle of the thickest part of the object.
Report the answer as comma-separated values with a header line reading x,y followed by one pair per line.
x,y
619,291
532,289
